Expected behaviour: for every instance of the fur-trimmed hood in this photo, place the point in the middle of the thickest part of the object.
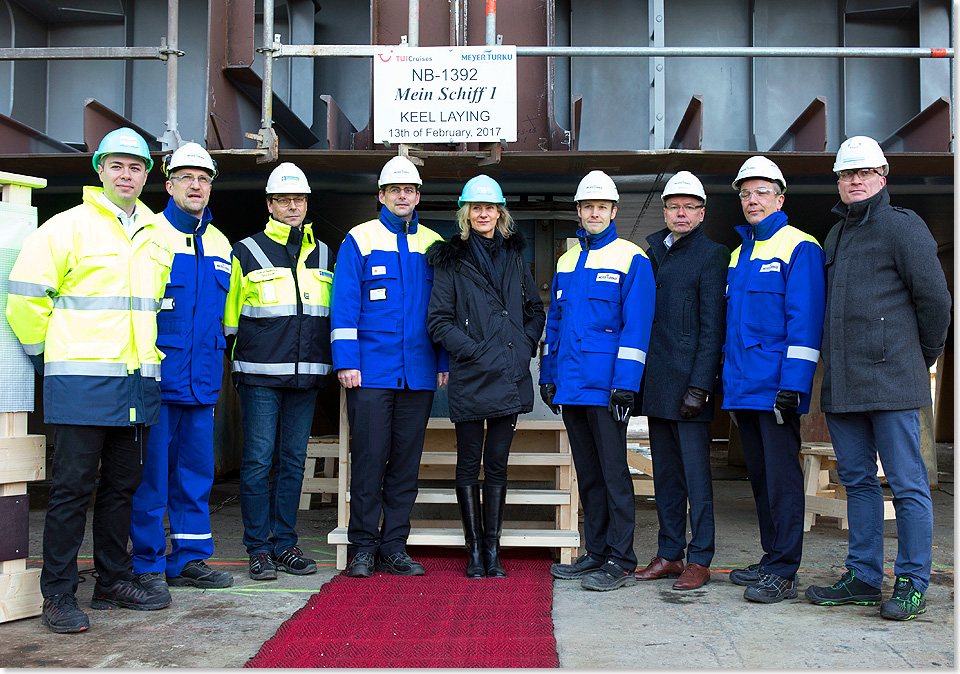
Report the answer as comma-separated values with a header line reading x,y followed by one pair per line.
x,y
445,254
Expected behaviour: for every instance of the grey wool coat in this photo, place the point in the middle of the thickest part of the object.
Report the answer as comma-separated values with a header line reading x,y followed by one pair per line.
x,y
888,309
689,323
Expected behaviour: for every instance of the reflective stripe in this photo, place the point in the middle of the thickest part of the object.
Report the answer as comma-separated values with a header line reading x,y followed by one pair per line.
x,y
230,331
30,289
274,311
314,310
343,333
803,353
85,368
257,253
314,368
324,256
33,349
546,349
78,303
151,370
276,369
628,353
191,537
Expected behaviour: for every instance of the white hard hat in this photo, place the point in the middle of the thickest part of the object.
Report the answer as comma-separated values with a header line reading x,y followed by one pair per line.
x,y
760,167
861,152
684,183
597,185
287,178
189,154
399,171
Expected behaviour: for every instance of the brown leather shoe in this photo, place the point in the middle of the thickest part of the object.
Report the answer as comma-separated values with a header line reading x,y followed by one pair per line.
x,y
694,576
660,568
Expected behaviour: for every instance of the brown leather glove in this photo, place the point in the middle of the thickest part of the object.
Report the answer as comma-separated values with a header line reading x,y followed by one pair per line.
x,y
693,401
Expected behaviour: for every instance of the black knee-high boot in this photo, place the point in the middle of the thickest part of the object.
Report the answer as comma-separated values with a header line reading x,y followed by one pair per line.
x,y
469,500
494,499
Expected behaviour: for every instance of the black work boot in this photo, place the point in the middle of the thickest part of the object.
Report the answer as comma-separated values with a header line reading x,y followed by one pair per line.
x,y
494,499
469,500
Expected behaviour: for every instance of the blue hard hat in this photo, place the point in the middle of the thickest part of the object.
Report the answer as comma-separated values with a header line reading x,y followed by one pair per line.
x,y
482,189
124,141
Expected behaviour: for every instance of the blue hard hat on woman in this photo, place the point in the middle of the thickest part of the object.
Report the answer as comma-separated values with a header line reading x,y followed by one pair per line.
x,y
481,189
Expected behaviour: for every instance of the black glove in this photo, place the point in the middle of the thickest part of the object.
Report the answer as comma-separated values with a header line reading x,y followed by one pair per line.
x,y
547,391
621,403
692,403
787,401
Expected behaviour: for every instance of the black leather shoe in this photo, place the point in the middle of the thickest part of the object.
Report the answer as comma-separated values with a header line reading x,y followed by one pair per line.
x,y
197,574
771,589
747,577
400,564
361,566
608,577
583,565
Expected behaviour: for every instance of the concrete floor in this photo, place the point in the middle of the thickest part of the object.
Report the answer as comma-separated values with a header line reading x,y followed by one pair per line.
x,y
645,626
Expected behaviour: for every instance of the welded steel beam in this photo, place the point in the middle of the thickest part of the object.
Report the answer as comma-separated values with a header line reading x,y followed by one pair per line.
x,y
689,135
928,131
365,50
99,120
808,131
18,138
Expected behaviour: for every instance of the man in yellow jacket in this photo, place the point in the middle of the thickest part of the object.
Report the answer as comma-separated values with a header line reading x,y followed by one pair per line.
x,y
83,300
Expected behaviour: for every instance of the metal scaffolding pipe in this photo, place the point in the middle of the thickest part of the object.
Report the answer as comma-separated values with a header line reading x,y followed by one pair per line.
x,y
82,53
266,107
491,22
413,23
363,50
171,138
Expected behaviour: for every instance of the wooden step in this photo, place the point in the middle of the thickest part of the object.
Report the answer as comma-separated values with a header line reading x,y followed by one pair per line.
x,y
438,423
539,538
320,485
515,459
322,450
518,496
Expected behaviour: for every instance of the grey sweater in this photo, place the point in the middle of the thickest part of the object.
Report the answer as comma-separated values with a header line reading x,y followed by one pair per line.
x,y
888,309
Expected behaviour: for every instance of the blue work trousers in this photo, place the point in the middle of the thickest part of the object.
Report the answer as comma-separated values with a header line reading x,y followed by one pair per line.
x,y
681,471
276,429
387,427
177,477
857,438
772,452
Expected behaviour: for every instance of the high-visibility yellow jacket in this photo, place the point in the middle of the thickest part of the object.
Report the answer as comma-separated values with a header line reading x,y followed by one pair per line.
x,y
85,295
278,308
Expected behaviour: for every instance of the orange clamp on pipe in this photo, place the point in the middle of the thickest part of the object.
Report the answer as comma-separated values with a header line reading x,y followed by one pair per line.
x,y
934,53
491,6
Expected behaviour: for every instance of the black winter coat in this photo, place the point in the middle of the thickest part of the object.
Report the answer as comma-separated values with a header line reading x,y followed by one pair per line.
x,y
888,309
689,324
490,340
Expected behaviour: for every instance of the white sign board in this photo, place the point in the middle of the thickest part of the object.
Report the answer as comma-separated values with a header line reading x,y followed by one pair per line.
x,y
445,94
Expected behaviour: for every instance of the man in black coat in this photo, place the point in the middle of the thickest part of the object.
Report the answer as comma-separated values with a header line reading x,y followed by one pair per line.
x,y
888,310
681,372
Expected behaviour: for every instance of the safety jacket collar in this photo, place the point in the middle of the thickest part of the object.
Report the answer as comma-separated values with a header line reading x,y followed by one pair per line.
x,y
184,222
90,198
594,241
764,229
280,232
859,211
397,224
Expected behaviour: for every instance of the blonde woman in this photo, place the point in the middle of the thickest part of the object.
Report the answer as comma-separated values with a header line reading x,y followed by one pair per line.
x,y
485,310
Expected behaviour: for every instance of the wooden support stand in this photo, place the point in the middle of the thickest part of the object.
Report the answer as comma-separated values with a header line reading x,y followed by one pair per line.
x,y
540,453
325,450
22,460
823,497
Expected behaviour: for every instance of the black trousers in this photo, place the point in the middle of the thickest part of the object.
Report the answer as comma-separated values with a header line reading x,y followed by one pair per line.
x,y
681,471
387,427
471,450
598,443
772,452
77,453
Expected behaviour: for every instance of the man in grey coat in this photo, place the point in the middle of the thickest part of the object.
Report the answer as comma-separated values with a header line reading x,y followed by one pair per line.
x,y
682,364
887,314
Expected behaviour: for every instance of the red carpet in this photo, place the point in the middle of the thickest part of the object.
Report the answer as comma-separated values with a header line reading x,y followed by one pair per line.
x,y
442,619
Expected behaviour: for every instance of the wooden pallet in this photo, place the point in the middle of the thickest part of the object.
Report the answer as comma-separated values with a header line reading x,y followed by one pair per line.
x,y
540,452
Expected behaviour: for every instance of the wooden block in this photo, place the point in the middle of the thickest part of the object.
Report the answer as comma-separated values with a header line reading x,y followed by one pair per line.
x,y
20,595
23,459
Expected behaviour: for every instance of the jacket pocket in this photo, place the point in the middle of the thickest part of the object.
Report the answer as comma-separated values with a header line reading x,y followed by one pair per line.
x,y
764,300
687,317
876,347
604,306
599,357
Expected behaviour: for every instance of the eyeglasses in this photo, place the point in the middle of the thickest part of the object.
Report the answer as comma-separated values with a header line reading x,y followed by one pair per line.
x,y
847,175
284,202
761,192
407,191
673,209
203,179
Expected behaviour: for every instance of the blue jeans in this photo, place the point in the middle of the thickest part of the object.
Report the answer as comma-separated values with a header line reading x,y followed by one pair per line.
x,y
276,428
857,437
